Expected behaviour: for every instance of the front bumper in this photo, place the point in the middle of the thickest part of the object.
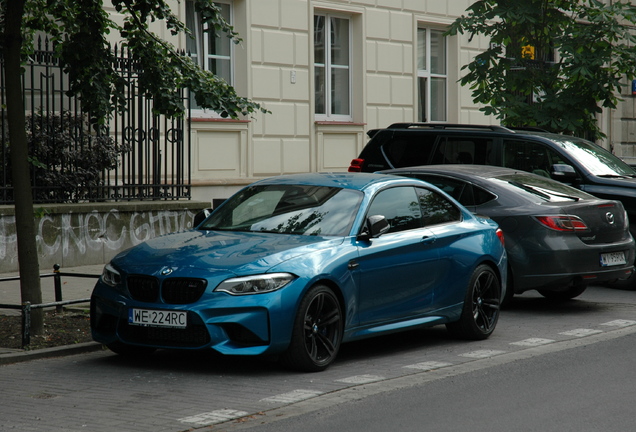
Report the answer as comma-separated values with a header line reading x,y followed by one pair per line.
x,y
233,325
558,264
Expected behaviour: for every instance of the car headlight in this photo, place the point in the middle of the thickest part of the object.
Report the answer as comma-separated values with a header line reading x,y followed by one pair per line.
x,y
255,284
110,276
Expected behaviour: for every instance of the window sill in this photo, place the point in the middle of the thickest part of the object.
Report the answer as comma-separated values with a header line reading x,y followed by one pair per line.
x,y
216,120
335,123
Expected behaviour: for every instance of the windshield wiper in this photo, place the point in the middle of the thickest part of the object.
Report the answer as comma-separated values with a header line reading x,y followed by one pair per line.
x,y
530,189
573,198
617,175
544,193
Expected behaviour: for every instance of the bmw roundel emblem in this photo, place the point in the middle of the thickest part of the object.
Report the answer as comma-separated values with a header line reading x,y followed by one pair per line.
x,y
166,271
610,217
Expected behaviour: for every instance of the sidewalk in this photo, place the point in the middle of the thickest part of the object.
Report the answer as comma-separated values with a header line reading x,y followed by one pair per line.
x,y
73,288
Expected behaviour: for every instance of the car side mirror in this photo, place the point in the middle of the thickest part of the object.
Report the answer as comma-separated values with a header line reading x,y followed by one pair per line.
x,y
376,226
201,216
563,172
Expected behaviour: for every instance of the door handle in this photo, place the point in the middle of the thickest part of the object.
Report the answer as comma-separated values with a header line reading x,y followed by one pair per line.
x,y
428,239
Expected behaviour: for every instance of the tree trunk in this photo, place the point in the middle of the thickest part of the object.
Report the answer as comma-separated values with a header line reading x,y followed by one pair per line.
x,y
24,215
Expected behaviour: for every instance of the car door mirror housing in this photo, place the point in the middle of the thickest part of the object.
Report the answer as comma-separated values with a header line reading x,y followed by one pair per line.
x,y
201,216
376,226
563,172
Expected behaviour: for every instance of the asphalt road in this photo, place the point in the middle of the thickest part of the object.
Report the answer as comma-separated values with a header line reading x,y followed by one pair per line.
x,y
586,388
567,367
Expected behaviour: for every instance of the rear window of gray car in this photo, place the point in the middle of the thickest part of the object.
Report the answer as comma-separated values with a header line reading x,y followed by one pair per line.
x,y
465,193
539,188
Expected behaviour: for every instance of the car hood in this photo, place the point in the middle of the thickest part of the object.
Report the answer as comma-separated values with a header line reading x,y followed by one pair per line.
x,y
232,252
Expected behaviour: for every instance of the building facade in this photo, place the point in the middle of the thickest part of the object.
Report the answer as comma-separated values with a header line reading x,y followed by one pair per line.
x,y
330,70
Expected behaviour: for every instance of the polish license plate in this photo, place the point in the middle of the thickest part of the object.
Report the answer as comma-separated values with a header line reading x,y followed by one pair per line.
x,y
157,318
612,259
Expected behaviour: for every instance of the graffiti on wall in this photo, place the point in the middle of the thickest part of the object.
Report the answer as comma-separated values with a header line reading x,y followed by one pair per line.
x,y
94,231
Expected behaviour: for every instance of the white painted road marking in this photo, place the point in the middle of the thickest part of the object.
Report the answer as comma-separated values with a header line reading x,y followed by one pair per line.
x,y
426,366
581,332
361,379
213,417
619,323
293,396
533,342
482,353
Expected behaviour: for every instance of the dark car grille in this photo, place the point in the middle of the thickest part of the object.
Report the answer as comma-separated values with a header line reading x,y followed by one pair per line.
x,y
195,335
182,291
173,290
143,288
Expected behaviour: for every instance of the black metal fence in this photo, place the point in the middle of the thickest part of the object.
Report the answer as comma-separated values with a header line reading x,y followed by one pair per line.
x,y
26,307
138,156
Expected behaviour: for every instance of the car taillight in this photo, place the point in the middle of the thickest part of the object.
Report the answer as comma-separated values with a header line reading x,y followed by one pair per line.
x,y
563,223
356,165
500,234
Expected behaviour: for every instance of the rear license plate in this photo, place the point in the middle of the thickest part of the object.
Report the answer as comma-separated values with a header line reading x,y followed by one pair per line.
x,y
612,259
157,318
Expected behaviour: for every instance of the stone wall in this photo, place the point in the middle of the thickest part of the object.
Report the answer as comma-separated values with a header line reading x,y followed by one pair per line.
x,y
83,234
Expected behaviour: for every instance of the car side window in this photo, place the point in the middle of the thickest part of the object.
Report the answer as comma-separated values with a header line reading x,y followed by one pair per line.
x,y
409,150
464,150
436,208
399,205
451,186
467,194
530,156
481,196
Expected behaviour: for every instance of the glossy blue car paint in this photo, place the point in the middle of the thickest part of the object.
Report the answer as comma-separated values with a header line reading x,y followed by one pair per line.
x,y
396,281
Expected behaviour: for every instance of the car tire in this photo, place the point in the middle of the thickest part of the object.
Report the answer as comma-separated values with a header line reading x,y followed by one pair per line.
x,y
130,350
482,305
565,295
317,331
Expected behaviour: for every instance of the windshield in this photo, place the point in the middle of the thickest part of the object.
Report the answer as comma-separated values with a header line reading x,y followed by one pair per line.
x,y
594,158
540,188
288,209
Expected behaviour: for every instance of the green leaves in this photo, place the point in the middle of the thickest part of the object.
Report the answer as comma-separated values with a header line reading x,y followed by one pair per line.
x,y
583,51
79,29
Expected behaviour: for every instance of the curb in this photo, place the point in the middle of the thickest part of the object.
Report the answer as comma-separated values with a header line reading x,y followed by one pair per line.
x,y
23,356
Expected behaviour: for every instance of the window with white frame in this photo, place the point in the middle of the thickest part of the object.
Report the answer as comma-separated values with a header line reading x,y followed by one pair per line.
x,y
432,77
212,49
332,67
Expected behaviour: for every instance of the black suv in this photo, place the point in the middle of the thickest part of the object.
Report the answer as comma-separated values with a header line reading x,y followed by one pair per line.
x,y
574,161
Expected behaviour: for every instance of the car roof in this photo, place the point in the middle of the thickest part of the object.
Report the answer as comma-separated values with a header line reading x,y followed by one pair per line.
x,y
481,174
475,129
484,171
356,181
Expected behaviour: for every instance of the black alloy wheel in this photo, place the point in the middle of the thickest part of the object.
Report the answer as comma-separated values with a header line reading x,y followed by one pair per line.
x,y
317,331
481,306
